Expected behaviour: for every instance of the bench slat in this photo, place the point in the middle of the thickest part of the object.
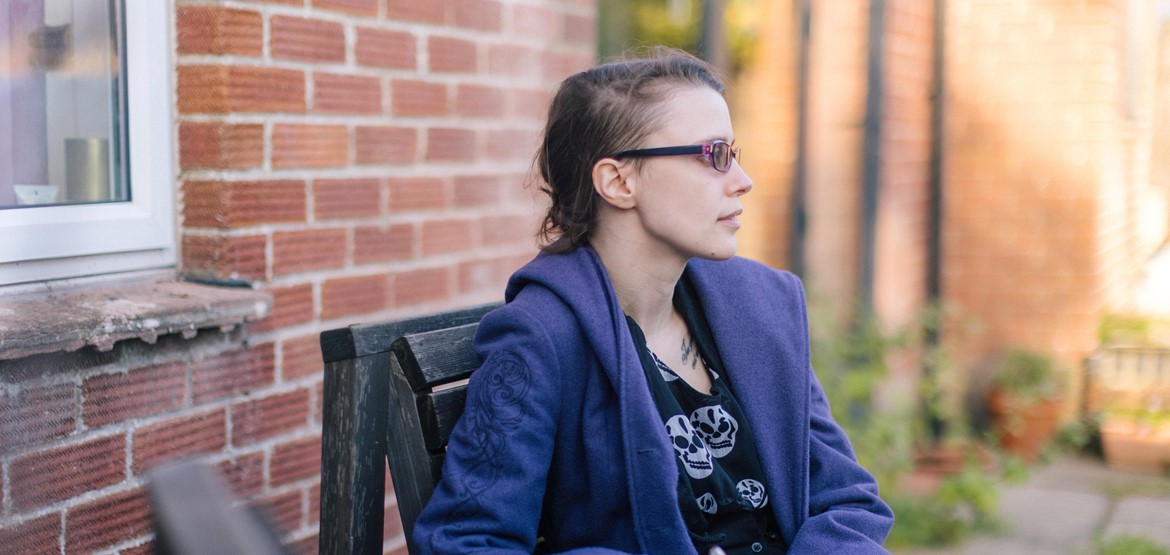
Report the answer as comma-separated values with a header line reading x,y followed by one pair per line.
x,y
437,357
361,340
440,411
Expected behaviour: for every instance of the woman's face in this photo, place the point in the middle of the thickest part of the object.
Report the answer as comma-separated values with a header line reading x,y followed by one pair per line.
x,y
685,205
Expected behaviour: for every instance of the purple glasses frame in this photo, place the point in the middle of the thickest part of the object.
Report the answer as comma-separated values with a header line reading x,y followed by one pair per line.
x,y
707,150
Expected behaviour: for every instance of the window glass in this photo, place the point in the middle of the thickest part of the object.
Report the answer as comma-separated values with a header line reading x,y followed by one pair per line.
x,y
61,103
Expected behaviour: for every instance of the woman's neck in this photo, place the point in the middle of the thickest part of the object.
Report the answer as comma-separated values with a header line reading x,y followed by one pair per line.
x,y
644,282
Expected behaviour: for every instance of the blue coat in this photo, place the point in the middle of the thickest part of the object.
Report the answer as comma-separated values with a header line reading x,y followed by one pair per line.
x,y
560,430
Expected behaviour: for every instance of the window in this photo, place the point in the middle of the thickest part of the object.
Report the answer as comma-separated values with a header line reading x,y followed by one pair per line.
x,y
86,173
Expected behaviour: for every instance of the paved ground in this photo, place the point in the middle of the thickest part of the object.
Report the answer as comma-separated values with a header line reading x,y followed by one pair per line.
x,y
1064,507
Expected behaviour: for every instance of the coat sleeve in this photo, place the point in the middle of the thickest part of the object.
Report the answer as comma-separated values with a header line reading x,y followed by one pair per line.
x,y
491,492
846,515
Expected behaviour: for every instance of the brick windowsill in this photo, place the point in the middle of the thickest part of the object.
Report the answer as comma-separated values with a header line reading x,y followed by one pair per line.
x,y
101,317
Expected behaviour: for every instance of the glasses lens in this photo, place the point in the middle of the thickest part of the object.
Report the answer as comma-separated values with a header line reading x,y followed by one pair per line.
x,y
721,156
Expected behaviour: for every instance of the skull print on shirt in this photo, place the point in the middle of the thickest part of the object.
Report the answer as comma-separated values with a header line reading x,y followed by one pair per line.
x,y
689,447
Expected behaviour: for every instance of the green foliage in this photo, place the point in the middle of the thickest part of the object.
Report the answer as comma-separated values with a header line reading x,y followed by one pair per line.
x,y
1116,329
627,24
1030,376
852,361
1126,544
964,503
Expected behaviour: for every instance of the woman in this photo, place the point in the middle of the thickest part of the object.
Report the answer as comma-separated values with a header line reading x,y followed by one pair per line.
x,y
643,390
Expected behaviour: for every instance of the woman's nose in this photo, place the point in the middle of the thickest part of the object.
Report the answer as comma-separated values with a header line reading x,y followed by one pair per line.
x,y
743,183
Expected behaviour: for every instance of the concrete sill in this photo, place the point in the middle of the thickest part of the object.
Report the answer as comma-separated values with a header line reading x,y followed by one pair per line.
x,y
71,320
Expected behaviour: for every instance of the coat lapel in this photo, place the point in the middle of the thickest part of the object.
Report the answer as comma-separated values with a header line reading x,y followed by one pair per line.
x,y
759,326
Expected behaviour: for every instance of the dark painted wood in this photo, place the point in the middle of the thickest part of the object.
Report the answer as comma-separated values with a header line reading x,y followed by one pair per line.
x,y
439,411
360,340
371,414
437,357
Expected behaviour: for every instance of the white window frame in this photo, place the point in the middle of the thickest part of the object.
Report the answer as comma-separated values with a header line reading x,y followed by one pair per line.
x,y
57,242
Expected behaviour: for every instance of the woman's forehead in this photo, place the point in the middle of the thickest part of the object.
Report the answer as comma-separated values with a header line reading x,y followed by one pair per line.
x,y
695,114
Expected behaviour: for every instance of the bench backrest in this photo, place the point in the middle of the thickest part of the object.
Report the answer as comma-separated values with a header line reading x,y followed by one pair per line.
x,y
388,397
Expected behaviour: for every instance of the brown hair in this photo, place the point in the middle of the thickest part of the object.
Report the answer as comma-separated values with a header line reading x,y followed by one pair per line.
x,y
598,113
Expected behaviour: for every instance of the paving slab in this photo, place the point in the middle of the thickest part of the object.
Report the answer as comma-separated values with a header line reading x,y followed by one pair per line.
x,y
1047,519
1141,516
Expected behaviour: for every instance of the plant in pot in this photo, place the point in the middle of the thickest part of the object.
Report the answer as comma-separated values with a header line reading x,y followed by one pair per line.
x,y
1025,401
1138,438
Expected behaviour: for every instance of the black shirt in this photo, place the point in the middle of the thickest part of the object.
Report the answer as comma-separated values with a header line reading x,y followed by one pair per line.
x,y
721,492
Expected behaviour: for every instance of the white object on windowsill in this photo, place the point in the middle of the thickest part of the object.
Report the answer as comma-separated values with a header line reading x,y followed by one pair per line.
x,y
36,194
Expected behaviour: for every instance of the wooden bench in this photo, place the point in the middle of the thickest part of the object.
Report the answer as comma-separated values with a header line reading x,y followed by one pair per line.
x,y
387,398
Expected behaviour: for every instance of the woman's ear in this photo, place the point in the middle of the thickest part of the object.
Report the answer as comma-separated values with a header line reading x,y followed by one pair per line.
x,y
613,182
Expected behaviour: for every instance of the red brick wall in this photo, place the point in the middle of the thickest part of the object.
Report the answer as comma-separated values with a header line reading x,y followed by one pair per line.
x,y
359,160
1036,216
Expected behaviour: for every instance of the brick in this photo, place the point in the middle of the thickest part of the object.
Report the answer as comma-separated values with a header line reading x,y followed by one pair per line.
x,y
217,30
417,98
483,15
301,357
145,548
315,249
376,244
478,275
346,94
529,104
559,65
480,101
580,29
503,230
111,398
244,474
284,510
310,544
535,21
223,257
220,145
231,204
233,373
295,461
434,11
32,415
319,405
346,198
446,236
46,477
291,306
309,146
307,40
270,416
420,286
512,144
33,536
386,49
354,295
417,193
450,144
451,55
179,437
385,145
237,89
476,191
359,7
512,60
314,504
108,521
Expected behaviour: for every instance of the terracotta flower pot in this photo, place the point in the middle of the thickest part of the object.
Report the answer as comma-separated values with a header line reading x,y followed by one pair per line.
x,y
1024,426
1130,445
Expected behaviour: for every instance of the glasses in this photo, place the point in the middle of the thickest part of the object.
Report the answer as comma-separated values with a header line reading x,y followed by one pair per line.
x,y
720,153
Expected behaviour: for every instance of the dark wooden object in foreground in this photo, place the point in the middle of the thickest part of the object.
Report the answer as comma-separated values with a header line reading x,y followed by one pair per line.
x,y
381,405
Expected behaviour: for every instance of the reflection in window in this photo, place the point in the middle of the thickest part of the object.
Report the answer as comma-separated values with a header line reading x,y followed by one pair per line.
x,y
61,103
